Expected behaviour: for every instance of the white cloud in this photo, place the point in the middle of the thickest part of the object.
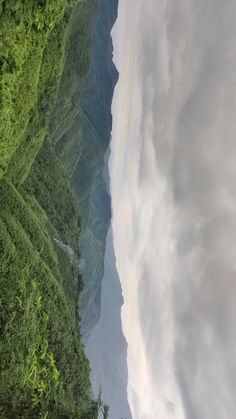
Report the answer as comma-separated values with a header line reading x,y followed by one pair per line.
x,y
174,204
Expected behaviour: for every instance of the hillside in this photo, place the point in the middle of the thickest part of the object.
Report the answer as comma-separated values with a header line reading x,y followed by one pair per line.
x,y
44,371
95,206
80,129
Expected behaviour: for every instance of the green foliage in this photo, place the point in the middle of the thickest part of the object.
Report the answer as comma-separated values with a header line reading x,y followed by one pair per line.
x,y
51,190
43,369
102,406
40,344
65,122
32,35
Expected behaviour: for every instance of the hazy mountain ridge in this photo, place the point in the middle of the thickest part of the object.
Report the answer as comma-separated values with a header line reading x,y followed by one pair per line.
x,y
80,130
107,346
96,119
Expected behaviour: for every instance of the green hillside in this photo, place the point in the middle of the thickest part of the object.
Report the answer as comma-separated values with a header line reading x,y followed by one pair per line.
x,y
44,371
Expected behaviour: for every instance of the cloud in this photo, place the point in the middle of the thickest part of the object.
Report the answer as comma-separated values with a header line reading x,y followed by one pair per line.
x,y
174,203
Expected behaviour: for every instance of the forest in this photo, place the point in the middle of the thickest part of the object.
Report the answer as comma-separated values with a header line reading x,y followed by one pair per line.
x,y
44,372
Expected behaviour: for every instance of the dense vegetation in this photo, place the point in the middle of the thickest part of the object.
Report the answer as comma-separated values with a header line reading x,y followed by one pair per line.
x,y
44,371
85,113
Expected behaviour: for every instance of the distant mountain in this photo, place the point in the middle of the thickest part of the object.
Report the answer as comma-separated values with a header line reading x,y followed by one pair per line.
x,y
106,347
80,130
95,98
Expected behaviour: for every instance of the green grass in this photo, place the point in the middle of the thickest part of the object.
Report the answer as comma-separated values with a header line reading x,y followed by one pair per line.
x,y
44,370
66,123
35,289
49,187
26,30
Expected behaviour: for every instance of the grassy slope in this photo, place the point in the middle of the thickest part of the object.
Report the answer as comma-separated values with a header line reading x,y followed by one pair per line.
x,y
65,123
44,371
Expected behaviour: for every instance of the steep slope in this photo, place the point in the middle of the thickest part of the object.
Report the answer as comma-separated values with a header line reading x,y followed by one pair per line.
x,y
56,121
80,130
95,205
40,283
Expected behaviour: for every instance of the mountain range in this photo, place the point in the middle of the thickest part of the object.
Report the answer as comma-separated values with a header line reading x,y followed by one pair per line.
x,y
106,347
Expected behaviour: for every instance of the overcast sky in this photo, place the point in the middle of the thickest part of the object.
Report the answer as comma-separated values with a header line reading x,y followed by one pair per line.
x,y
173,177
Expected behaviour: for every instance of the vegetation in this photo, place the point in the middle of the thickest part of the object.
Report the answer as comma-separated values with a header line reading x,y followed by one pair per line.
x,y
44,371
27,31
66,120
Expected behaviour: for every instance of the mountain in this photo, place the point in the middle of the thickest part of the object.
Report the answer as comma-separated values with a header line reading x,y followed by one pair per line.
x,y
95,205
57,79
106,347
80,130
44,371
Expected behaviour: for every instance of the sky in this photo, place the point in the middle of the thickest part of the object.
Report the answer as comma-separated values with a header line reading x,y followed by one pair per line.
x,y
173,185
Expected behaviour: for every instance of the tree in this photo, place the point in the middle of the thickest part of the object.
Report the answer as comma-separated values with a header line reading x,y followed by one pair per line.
x,y
105,410
103,407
